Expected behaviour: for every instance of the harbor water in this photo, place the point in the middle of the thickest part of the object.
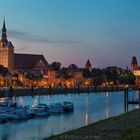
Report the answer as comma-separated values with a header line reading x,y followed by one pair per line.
x,y
88,108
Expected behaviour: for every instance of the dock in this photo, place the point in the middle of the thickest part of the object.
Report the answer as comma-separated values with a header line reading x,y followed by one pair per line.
x,y
130,101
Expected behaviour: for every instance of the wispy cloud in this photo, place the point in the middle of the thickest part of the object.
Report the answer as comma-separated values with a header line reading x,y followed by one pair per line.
x,y
37,38
21,48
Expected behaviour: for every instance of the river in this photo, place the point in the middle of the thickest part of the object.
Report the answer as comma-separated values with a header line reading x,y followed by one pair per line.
x,y
89,108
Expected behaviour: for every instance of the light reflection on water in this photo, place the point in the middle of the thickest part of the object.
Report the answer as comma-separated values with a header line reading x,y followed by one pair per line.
x,y
89,108
106,106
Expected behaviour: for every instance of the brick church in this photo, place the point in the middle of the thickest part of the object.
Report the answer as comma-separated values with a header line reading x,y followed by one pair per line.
x,y
16,62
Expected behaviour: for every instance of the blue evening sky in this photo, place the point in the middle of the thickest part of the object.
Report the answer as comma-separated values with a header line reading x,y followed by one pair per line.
x,y
71,31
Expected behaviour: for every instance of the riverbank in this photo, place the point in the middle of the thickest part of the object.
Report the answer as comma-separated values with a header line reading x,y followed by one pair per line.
x,y
60,90
122,127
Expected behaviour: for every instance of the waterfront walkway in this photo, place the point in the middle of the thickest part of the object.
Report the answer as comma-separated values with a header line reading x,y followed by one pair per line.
x,y
122,127
60,90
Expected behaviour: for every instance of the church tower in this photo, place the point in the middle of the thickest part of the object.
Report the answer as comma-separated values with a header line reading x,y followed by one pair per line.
x,y
134,64
88,66
6,50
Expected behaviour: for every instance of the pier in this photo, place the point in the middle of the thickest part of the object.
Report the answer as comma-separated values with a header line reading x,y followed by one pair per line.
x,y
130,101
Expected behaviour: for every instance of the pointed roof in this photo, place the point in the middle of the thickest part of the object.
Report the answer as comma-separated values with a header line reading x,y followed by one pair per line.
x,y
88,63
134,61
4,26
4,36
9,45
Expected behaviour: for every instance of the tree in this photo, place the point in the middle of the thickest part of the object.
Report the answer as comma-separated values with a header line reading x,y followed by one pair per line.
x,y
98,77
87,73
112,74
65,75
72,66
56,65
3,70
99,80
127,77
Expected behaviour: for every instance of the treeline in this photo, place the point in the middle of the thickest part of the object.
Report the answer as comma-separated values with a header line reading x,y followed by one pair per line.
x,y
112,75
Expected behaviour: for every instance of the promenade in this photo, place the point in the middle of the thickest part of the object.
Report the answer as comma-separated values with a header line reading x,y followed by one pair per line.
x,y
59,90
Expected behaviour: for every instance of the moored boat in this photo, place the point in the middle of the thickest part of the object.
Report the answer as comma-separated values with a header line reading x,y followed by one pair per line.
x,y
68,106
39,111
55,108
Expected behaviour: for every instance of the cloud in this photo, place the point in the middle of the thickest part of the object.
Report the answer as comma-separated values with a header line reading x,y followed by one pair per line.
x,y
22,48
37,38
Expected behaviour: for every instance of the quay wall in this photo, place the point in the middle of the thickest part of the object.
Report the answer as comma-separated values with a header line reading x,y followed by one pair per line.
x,y
59,90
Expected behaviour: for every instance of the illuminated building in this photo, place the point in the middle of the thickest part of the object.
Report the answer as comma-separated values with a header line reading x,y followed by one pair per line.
x,y
18,62
135,69
134,64
27,68
51,77
30,62
6,50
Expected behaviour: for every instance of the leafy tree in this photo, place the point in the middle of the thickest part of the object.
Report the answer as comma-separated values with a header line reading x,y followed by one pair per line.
x,y
112,74
3,70
98,77
72,66
97,72
127,77
56,65
87,73
65,75
99,80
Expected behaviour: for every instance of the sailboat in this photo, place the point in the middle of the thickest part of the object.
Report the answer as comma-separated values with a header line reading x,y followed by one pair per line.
x,y
11,110
40,110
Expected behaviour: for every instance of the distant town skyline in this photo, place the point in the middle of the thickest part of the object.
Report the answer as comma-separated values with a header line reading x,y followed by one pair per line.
x,y
71,31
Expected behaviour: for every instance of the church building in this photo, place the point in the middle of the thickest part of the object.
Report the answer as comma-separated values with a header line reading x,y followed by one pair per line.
x,y
16,62
135,69
88,66
6,51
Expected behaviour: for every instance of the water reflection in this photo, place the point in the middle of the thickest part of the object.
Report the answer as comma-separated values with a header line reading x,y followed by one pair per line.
x,y
106,106
88,109
134,95
20,101
2,100
35,101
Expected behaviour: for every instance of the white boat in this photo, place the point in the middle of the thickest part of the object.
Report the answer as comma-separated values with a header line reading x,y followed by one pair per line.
x,y
12,113
55,108
40,110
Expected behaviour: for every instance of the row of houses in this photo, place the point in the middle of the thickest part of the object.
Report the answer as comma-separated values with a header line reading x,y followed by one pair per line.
x,y
68,77
34,69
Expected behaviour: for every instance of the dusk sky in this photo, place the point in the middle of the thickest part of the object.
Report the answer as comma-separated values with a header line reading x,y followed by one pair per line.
x,y
71,31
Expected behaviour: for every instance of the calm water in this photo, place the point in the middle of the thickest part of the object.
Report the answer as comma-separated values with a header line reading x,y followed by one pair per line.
x,y
89,108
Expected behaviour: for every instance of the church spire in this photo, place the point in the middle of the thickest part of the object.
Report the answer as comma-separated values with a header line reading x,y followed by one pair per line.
x,y
4,27
134,63
88,66
4,36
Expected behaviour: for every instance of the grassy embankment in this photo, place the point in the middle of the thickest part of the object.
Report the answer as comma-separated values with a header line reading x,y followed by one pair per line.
x,y
122,127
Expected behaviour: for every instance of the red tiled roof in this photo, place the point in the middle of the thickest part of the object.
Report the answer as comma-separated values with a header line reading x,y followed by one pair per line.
x,y
27,61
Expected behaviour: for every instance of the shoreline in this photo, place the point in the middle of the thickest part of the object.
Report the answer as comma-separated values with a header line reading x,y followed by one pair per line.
x,y
61,91
125,126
